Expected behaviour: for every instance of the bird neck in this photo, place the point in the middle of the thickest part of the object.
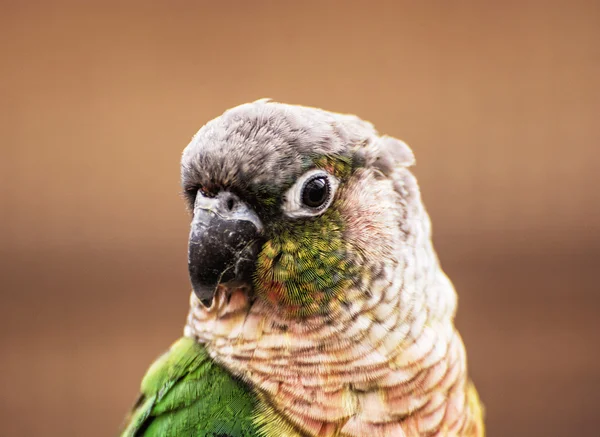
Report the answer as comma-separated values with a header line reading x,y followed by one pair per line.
x,y
395,365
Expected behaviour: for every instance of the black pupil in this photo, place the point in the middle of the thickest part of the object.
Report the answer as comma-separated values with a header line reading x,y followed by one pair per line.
x,y
315,192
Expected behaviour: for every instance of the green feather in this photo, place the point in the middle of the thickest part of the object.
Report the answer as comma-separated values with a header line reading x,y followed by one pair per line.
x,y
184,393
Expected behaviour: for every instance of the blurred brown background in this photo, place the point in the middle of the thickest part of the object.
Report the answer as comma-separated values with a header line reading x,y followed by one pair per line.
x,y
500,101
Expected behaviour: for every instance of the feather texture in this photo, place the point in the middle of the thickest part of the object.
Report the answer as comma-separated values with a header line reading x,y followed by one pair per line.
x,y
184,393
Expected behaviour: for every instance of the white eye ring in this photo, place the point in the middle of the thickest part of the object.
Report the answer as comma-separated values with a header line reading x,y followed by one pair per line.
x,y
293,203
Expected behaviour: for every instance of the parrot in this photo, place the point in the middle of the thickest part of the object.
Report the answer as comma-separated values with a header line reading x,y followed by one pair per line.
x,y
318,305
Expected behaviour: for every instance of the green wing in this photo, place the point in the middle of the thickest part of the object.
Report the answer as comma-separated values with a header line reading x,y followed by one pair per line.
x,y
186,394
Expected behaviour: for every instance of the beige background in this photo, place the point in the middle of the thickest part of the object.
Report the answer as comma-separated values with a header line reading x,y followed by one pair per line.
x,y
500,101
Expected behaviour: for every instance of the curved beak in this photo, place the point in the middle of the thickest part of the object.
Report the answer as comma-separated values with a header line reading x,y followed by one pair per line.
x,y
223,244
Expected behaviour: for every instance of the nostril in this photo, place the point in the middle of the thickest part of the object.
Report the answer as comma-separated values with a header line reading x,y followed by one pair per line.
x,y
230,203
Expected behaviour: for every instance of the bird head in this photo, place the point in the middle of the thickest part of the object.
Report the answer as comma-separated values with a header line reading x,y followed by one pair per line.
x,y
300,207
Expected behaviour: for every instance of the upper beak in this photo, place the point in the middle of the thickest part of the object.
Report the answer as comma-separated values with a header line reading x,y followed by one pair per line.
x,y
223,244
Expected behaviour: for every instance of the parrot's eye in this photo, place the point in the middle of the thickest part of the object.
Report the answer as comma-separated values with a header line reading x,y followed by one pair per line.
x,y
315,191
310,195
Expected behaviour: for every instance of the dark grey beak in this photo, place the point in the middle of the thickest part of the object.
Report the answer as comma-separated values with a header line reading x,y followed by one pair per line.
x,y
223,245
